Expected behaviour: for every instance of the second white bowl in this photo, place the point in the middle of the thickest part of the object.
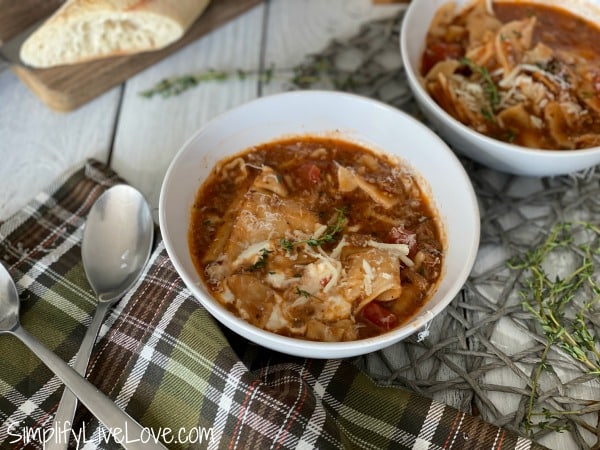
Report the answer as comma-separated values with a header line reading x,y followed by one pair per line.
x,y
496,154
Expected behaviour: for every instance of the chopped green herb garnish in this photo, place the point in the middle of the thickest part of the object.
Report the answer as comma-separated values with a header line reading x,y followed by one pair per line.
x,y
303,293
328,236
306,294
286,244
510,136
262,260
487,115
489,87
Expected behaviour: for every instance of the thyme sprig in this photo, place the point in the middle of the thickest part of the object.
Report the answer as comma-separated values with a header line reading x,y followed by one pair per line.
x,y
317,69
562,306
492,93
173,86
328,236
489,87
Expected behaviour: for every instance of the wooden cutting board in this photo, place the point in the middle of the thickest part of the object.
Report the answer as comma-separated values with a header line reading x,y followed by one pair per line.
x,y
16,16
67,87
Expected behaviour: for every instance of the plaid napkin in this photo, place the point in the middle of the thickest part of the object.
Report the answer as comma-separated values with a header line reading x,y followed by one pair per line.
x,y
163,359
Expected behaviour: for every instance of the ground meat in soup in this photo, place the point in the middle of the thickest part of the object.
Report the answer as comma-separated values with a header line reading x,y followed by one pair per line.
x,y
316,238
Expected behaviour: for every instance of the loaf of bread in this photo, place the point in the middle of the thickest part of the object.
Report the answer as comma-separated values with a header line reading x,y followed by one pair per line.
x,y
85,30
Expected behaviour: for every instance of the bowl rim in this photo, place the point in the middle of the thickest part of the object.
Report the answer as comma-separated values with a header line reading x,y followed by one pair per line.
x,y
415,80
302,347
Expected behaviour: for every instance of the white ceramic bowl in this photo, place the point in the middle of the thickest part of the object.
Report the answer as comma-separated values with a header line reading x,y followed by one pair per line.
x,y
358,119
491,152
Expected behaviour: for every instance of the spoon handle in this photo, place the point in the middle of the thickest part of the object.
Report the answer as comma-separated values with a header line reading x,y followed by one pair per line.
x,y
63,419
125,429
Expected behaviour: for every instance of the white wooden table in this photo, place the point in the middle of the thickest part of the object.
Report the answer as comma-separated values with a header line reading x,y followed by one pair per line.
x,y
139,137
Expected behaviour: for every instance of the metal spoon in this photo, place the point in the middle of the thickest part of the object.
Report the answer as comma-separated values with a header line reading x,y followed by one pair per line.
x,y
99,404
117,241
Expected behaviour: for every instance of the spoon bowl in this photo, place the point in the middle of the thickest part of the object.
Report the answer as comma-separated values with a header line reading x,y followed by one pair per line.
x,y
117,241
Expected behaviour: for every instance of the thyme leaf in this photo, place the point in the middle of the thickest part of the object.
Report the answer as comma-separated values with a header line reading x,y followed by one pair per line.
x,y
286,244
303,293
262,260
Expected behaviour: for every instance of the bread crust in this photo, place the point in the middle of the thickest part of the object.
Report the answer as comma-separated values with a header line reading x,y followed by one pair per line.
x,y
85,30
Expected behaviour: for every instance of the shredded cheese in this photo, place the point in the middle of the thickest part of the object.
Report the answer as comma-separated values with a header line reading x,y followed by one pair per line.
x,y
279,280
227,295
333,265
276,320
369,275
336,253
252,253
400,250
320,230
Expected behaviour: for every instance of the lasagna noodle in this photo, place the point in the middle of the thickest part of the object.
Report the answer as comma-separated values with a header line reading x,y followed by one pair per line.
x,y
253,299
348,181
215,250
264,217
372,274
258,216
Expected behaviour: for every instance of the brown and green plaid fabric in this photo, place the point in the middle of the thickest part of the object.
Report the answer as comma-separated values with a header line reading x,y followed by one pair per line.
x,y
163,359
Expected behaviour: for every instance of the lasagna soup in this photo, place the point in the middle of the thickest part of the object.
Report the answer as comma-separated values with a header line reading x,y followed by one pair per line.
x,y
316,238
520,72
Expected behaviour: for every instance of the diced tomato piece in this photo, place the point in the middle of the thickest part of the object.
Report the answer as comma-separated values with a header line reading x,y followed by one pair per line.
x,y
398,235
439,51
309,175
380,316
325,280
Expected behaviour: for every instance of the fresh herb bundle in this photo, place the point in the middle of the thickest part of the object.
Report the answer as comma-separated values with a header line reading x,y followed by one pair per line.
x,y
563,306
